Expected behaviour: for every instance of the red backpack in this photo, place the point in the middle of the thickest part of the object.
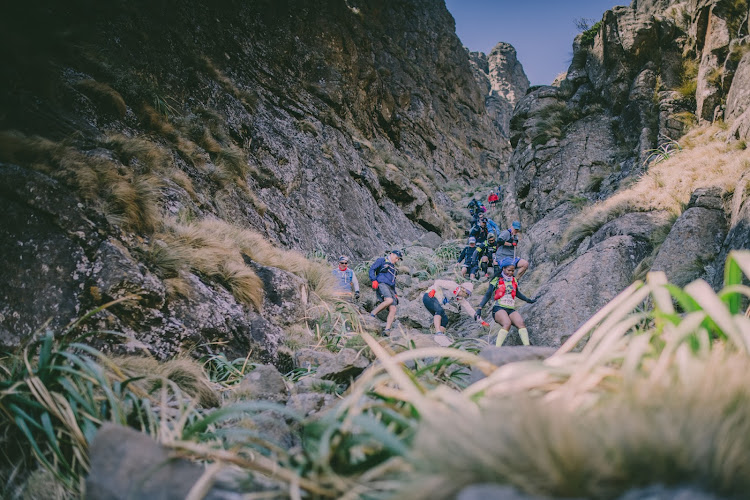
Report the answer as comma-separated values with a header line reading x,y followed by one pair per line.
x,y
500,290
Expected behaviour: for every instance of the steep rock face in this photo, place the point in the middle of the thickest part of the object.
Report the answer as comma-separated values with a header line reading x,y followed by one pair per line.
x,y
636,81
323,126
500,75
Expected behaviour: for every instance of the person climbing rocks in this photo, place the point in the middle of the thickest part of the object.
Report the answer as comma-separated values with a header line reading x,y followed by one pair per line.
x,y
479,232
486,252
492,227
346,280
473,207
469,257
383,276
443,292
504,290
508,243
492,199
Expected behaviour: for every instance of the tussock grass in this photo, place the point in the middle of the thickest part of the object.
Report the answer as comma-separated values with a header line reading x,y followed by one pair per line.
x,y
186,373
125,197
705,160
105,97
150,156
214,248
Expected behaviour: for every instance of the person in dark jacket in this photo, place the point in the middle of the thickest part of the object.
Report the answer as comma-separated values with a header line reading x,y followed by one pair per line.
x,y
383,276
486,252
469,257
480,231
504,290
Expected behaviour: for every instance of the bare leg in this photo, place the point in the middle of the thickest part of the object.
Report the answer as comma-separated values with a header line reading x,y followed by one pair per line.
x,y
522,267
391,316
387,302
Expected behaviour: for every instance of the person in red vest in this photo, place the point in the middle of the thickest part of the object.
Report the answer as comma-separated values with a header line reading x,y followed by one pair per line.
x,y
504,290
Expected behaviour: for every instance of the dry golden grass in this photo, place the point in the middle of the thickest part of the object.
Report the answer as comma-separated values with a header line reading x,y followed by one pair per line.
x,y
215,248
123,196
680,430
151,156
186,373
706,160
104,96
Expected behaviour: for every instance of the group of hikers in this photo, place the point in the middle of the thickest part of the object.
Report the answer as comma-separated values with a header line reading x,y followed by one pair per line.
x,y
490,254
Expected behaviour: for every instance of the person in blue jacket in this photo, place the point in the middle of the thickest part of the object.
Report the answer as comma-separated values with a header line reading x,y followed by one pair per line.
x,y
383,276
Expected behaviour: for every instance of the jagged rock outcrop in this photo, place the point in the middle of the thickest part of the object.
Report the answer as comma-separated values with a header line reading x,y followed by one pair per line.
x,y
500,75
637,80
323,126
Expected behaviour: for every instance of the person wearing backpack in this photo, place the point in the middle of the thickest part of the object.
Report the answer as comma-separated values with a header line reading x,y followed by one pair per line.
x,y
486,252
479,232
507,248
503,290
383,276
469,257
346,280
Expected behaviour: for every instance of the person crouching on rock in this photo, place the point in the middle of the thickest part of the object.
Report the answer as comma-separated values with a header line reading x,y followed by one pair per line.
x,y
504,290
443,292
383,276
346,280
507,248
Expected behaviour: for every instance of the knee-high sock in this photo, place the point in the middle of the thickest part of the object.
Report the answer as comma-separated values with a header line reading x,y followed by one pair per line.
x,y
501,337
524,333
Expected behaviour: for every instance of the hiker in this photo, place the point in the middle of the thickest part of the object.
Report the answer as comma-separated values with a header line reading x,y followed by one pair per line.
x,y
383,276
479,232
346,280
492,227
492,199
486,252
504,290
473,207
469,257
508,243
443,292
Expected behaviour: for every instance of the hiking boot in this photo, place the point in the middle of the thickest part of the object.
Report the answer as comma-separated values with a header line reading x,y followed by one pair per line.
x,y
386,332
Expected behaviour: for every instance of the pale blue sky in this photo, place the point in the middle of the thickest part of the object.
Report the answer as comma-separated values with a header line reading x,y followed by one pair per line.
x,y
542,31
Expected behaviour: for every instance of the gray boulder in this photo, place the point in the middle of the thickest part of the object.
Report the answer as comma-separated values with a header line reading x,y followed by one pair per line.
x,y
579,289
413,313
339,367
694,240
310,402
500,356
127,464
286,294
431,240
116,274
264,382
209,313
345,365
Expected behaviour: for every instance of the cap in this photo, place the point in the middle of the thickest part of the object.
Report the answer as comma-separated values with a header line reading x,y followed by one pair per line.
x,y
472,240
516,225
468,286
507,261
398,253
343,259
491,236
